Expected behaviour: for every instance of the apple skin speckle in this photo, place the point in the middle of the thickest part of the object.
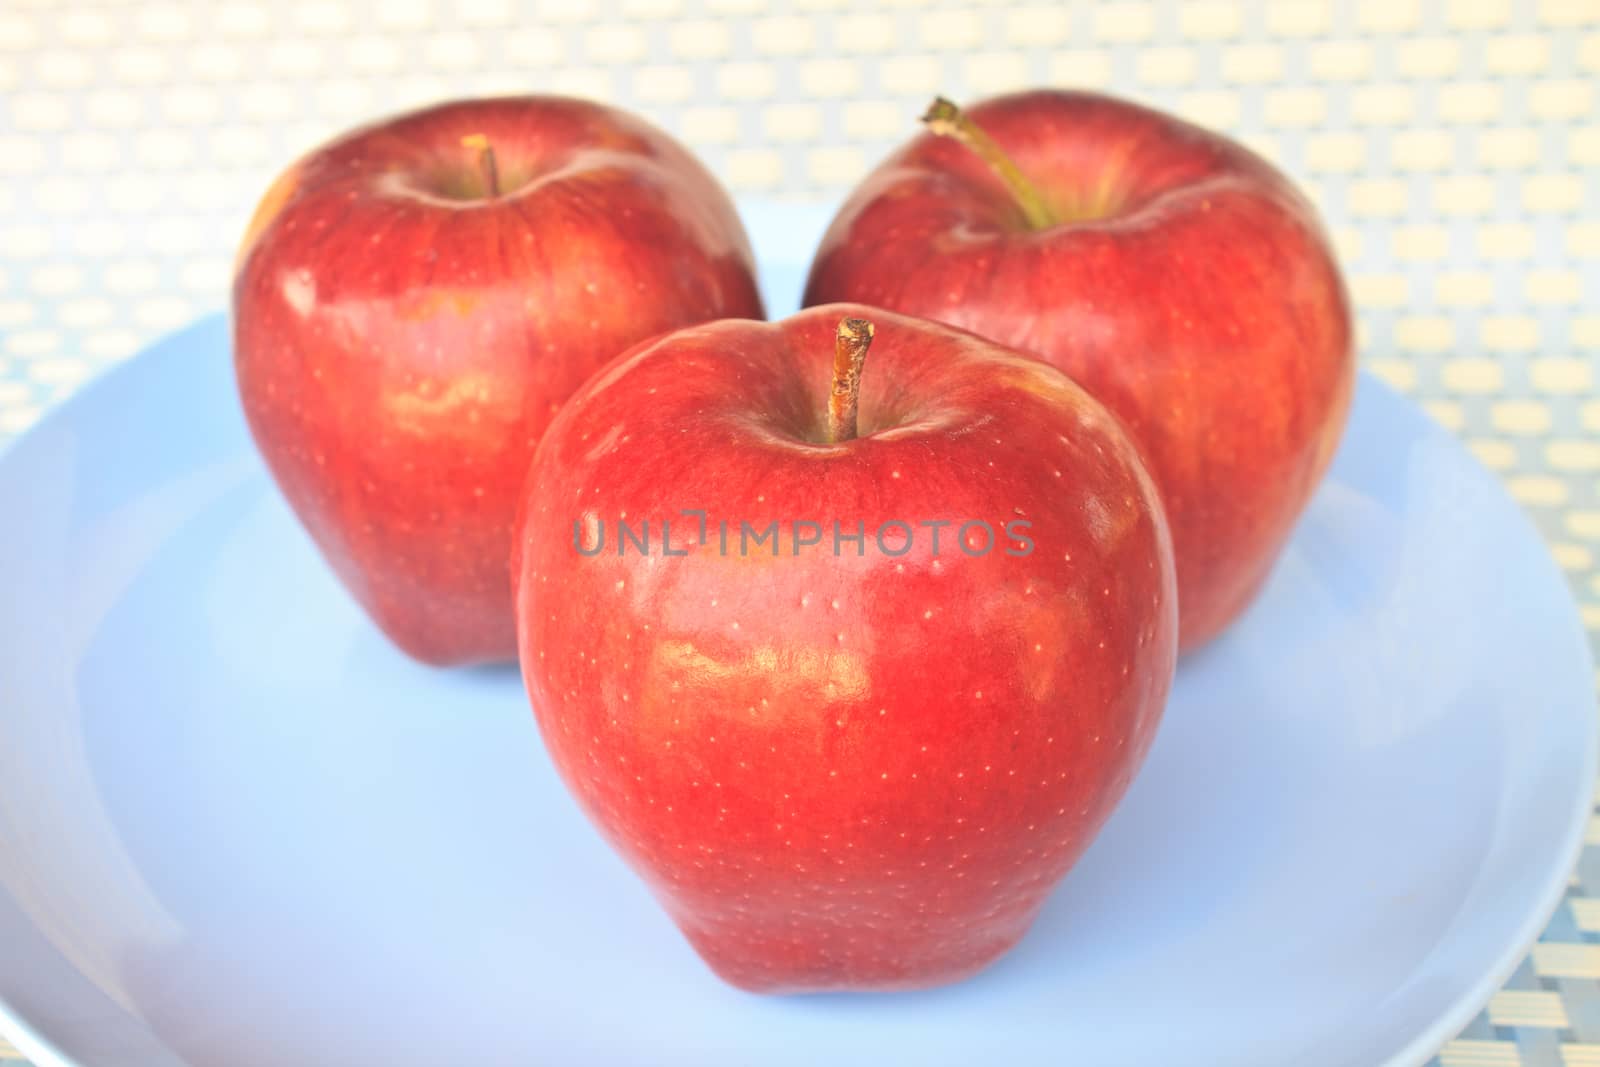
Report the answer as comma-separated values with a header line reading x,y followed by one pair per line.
x,y
893,790
392,331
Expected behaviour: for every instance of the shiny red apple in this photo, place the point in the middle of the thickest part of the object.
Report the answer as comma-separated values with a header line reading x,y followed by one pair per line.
x,y
849,661
415,300
1175,275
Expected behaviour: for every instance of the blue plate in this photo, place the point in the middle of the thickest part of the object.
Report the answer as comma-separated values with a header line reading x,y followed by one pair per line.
x,y
237,829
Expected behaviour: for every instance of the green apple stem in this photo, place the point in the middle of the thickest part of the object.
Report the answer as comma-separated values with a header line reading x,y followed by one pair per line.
x,y
947,120
850,346
487,166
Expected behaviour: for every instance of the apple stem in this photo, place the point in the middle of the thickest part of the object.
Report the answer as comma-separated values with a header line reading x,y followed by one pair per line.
x,y
945,119
486,162
850,346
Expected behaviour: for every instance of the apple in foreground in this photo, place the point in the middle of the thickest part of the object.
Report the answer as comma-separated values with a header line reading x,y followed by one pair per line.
x,y
850,661
415,300
1174,274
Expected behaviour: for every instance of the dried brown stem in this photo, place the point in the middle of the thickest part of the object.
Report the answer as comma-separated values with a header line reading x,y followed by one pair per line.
x,y
849,353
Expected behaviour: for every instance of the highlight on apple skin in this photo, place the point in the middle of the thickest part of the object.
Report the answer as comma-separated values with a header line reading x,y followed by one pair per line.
x,y
414,301
851,755
1178,277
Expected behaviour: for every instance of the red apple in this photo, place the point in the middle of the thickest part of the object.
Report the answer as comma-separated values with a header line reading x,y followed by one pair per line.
x,y
1174,274
862,770
415,300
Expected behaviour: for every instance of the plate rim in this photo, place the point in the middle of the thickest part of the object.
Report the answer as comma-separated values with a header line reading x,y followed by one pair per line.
x,y
1448,1025
1428,1041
